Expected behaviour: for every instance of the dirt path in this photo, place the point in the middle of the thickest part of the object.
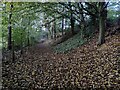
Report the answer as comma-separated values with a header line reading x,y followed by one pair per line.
x,y
40,49
86,67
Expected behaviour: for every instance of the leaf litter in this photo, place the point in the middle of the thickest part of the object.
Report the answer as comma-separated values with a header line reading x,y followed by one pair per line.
x,y
87,66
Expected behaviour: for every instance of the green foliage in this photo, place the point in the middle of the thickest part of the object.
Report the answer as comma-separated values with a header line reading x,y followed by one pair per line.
x,y
22,23
70,44
26,23
113,14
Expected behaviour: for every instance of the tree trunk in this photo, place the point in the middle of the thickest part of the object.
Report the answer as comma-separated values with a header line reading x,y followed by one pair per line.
x,y
54,29
102,21
28,38
101,31
21,44
82,26
13,53
62,25
49,32
72,21
82,21
10,30
28,33
72,24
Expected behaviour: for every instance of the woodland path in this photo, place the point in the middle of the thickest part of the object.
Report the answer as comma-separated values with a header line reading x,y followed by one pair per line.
x,y
88,66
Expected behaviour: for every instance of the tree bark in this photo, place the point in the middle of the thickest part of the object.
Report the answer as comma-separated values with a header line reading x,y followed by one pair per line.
x,y
49,35
101,31
10,29
72,21
72,24
82,26
21,46
54,29
28,38
102,21
62,25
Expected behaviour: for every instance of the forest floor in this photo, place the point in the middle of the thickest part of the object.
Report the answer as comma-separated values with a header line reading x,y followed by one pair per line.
x,y
86,67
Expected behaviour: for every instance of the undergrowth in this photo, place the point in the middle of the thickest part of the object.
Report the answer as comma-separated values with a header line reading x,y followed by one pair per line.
x,y
70,44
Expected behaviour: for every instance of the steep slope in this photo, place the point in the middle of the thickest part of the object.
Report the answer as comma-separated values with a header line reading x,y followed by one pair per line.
x,y
69,44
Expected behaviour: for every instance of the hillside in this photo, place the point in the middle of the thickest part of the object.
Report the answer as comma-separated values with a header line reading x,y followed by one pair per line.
x,y
60,45
85,67
71,43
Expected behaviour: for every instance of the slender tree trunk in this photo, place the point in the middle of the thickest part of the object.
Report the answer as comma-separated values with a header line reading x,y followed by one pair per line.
x,y
21,44
13,52
72,21
101,31
62,25
82,26
28,38
72,24
82,21
102,21
52,32
54,29
28,33
65,24
48,31
10,29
